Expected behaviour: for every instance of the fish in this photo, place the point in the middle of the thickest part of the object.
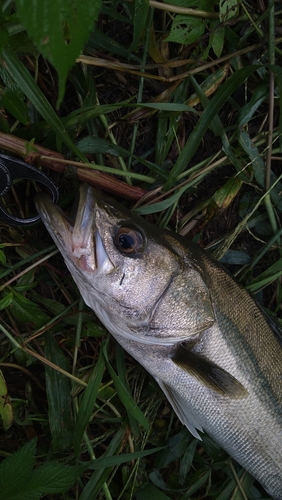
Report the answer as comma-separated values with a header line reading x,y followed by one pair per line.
x,y
211,348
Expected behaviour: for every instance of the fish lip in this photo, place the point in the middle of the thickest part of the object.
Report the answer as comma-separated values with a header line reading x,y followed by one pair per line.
x,y
76,241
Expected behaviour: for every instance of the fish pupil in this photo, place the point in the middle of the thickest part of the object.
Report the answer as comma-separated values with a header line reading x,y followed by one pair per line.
x,y
126,242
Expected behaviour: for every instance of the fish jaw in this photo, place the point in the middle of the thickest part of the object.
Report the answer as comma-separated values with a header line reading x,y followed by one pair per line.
x,y
80,243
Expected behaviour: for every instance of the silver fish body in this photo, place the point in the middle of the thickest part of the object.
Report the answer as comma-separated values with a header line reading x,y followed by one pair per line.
x,y
176,311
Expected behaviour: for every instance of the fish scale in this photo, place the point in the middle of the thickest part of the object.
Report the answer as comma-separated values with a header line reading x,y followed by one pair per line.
x,y
207,343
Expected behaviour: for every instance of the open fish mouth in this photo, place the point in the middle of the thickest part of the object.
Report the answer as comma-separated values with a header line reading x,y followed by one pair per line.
x,y
80,242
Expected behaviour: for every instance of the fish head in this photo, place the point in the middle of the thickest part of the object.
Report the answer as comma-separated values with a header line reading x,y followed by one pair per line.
x,y
122,265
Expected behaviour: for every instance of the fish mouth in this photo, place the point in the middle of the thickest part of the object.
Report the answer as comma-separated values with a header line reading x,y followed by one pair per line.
x,y
80,242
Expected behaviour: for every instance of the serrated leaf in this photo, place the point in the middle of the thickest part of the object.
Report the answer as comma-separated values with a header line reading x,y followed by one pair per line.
x,y
63,477
59,30
19,481
186,29
19,465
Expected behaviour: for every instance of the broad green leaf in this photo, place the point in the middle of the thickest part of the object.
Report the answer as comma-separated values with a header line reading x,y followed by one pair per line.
x,y
186,29
6,410
228,9
158,481
19,481
18,465
217,39
6,301
52,305
200,479
176,447
14,104
91,329
63,476
25,310
59,30
58,394
187,460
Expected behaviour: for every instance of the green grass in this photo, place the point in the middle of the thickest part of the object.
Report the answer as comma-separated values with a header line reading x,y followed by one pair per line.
x,y
177,114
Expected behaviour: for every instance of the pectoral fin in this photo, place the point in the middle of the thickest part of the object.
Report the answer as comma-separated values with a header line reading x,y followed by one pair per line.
x,y
182,410
210,374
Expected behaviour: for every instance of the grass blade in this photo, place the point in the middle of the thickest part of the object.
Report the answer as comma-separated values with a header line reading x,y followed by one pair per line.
x,y
59,399
204,122
88,400
24,80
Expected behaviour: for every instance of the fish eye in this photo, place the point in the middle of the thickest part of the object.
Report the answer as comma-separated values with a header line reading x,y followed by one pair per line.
x,y
129,241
